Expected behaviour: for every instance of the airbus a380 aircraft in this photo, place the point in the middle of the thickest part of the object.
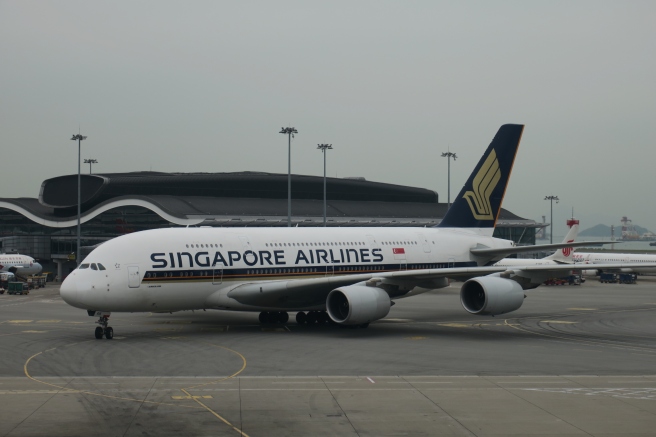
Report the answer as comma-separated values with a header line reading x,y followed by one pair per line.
x,y
19,264
350,275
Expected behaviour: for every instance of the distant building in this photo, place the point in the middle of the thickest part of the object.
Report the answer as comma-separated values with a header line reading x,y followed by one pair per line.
x,y
120,203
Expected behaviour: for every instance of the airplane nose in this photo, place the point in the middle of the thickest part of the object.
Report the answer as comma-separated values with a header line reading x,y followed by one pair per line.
x,y
68,291
39,267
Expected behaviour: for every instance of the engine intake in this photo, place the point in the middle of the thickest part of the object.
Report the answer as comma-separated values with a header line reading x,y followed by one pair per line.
x,y
357,304
489,295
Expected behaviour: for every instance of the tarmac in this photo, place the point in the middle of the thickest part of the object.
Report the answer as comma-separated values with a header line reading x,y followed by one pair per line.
x,y
573,361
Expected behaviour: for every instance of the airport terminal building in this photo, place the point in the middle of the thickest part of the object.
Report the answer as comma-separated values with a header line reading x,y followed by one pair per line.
x,y
120,203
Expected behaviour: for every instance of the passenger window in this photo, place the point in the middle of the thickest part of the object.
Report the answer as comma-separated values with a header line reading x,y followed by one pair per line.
x,y
101,267
94,267
83,266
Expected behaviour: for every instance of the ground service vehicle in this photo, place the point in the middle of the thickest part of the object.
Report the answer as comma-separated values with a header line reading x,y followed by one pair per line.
x,y
17,288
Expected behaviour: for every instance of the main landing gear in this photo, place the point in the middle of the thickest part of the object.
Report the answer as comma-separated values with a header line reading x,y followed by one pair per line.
x,y
103,329
312,317
302,318
274,317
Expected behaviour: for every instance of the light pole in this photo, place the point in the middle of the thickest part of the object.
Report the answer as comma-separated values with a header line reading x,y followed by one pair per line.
x,y
448,156
289,131
324,148
551,198
90,161
79,139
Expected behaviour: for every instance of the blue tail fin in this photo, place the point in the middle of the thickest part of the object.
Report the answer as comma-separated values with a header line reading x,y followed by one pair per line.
x,y
479,201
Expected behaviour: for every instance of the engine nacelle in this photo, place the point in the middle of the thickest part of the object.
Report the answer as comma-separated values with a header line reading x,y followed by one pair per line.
x,y
357,304
490,295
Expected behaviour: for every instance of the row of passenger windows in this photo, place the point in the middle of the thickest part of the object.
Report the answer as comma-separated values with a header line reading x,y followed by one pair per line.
x,y
93,266
218,273
355,243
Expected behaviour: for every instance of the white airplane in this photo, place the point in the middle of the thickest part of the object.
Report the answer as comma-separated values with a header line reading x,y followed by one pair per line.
x,y
348,275
592,261
18,264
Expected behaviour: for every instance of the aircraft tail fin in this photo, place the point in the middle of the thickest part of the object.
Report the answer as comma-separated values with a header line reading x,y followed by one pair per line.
x,y
564,255
479,202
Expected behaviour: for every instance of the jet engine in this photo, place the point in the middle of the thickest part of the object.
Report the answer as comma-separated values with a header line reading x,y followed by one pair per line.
x,y
357,304
490,295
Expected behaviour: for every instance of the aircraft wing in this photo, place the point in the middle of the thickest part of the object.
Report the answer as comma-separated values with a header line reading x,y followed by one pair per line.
x,y
295,293
504,251
302,292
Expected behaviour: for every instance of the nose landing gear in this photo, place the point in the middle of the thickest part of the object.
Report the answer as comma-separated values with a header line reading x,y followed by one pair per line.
x,y
104,329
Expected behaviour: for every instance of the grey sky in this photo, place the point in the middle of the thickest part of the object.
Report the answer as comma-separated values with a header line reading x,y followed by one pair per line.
x,y
206,85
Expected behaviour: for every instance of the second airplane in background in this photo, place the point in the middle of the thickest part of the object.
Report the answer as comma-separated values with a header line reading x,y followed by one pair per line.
x,y
18,264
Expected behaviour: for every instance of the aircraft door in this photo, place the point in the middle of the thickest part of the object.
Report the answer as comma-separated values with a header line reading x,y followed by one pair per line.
x,y
372,242
133,277
424,243
217,276
245,242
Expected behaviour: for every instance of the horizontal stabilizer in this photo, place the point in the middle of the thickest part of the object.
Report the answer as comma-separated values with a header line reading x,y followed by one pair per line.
x,y
495,252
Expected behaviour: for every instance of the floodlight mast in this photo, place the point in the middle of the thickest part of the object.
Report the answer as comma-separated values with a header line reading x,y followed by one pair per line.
x,y
551,199
324,148
90,161
79,138
449,155
289,131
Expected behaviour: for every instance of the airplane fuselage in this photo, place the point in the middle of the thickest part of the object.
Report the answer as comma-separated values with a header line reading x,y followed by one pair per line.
x,y
178,269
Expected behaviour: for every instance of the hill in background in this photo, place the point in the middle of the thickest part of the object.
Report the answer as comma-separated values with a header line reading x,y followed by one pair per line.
x,y
604,231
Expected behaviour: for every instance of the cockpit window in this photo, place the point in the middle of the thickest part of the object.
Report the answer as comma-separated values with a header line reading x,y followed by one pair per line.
x,y
101,267
94,267
83,266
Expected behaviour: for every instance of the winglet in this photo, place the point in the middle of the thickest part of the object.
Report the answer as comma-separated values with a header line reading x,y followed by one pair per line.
x,y
479,202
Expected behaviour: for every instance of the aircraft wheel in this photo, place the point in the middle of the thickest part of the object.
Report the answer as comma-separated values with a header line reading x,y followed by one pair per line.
x,y
311,317
322,317
99,332
301,318
283,317
264,317
109,333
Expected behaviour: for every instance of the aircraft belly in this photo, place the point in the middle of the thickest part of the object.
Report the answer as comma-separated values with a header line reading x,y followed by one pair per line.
x,y
178,297
266,302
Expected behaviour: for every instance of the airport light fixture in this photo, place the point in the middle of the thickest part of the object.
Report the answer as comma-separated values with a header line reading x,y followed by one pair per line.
x,y
449,155
79,138
551,199
324,148
90,161
289,131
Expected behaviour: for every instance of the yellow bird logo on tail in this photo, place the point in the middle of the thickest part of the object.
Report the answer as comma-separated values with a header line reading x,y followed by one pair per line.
x,y
483,185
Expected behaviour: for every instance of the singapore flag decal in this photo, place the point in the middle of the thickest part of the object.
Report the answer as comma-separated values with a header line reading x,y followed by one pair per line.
x,y
398,251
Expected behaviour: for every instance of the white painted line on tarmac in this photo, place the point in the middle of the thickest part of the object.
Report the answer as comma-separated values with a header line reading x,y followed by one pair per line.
x,y
420,382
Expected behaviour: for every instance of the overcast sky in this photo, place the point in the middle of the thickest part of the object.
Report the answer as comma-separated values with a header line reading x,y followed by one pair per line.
x,y
204,86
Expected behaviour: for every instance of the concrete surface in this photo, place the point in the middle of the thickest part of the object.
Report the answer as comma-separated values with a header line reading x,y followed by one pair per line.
x,y
573,361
